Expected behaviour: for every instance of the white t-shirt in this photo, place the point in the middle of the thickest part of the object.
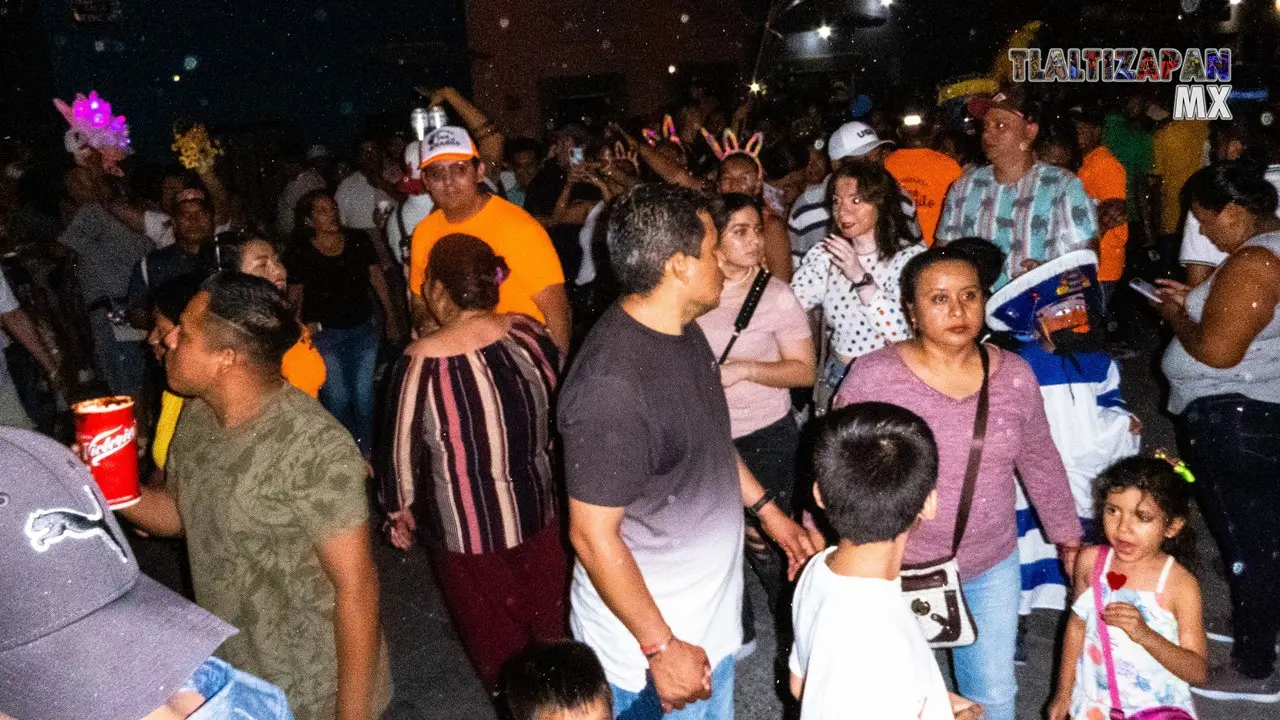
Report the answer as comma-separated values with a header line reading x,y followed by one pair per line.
x,y
1198,249
356,199
860,650
414,209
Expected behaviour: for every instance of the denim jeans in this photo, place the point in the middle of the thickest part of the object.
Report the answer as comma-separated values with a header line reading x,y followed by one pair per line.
x,y
350,357
1233,446
984,670
121,365
645,705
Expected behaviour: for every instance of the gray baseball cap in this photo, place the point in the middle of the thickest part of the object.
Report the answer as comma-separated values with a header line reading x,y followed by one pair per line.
x,y
84,633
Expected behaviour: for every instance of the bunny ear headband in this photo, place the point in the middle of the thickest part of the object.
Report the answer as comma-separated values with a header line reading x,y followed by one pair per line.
x,y
93,127
729,146
668,133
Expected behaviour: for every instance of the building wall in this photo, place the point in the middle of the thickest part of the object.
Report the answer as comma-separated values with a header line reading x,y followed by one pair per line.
x,y
516,47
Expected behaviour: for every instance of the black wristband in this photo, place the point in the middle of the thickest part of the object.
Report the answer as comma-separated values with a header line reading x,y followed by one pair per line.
x,y
768,497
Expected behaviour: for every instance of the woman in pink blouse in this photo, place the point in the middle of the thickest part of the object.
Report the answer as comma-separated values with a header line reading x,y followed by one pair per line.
x,y
937,375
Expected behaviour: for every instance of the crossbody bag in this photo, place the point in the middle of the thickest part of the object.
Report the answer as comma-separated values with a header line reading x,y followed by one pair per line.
x,y
748,310
932,590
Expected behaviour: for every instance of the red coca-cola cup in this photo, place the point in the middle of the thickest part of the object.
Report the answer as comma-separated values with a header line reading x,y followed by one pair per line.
x,y
108,440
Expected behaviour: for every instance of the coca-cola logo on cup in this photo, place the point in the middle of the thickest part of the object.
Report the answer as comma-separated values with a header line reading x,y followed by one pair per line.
x,y
108,443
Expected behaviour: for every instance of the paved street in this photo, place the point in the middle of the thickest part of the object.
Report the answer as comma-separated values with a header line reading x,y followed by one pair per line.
x,y
434,682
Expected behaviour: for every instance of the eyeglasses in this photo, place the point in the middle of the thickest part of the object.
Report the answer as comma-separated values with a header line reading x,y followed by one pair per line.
x,y
440,172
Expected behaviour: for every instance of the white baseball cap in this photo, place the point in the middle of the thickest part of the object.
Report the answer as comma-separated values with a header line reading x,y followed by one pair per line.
x,y
853,139
448,144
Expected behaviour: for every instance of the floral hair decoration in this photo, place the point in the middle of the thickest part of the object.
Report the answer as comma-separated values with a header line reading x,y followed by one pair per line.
x,y
93,127
728,145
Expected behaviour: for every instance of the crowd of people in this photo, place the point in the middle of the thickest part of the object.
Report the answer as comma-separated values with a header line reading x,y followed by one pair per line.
x,y
602,374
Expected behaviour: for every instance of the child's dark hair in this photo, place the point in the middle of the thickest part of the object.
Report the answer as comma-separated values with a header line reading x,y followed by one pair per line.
x,y
986,256
1156,479
563,675
875,464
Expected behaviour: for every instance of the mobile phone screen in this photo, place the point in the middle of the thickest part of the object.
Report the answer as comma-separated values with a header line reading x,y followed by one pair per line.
x,y
1145,289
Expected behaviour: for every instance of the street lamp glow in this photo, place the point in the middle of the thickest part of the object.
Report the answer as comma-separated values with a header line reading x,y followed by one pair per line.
x,y
824,32
176,78
671,69
755,87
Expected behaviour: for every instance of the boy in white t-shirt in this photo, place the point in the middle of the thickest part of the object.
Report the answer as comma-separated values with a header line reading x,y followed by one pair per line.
x,y
859,652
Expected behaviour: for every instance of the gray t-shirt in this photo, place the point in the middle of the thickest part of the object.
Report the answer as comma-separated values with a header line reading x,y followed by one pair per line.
x,y
1257,376
106,250
646,428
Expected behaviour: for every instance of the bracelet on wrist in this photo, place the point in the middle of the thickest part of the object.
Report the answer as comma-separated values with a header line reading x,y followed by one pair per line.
x,y
768,497
652,651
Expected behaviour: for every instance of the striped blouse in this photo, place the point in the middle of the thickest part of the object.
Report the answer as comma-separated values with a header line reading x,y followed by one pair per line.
x,y
471,450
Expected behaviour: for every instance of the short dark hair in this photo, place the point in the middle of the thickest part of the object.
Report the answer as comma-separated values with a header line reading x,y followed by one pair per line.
x,y
986,256
468,269
875,465
724,206
647,226
171,297
257,319
878,187
1240,183
564,675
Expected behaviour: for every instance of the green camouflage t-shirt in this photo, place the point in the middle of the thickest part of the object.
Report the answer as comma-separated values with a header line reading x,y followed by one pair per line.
x,y
255,500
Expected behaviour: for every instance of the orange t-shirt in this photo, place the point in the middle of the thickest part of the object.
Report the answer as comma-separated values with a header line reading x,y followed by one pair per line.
x,y
514,235
303,367
1103,178
925,175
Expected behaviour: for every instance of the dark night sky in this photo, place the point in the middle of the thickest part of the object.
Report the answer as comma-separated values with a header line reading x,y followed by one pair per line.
x,y
309,63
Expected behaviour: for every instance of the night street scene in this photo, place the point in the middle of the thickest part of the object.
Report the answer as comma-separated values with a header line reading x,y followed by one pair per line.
x,y
590,360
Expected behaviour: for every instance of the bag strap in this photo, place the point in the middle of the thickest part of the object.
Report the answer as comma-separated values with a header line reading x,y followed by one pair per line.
x,y
748,310
1104,636
975,451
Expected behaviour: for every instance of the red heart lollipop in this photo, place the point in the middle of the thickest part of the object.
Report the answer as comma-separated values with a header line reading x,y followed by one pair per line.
x,y
1116,580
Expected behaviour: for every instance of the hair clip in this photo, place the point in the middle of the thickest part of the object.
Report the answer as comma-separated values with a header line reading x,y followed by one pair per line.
x,y
1178,466
501,273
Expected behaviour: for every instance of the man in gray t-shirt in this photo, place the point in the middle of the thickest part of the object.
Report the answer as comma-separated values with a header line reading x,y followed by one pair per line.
x,y
106,253
656,488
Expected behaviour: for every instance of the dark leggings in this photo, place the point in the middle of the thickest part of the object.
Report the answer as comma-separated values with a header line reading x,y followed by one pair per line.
x,y
1233,445
770,454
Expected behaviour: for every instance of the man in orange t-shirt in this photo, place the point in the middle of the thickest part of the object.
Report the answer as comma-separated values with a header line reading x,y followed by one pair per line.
x,y
452,172
924,173
1104,180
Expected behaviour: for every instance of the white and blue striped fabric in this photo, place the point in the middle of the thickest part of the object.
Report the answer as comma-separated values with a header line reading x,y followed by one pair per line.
x,y
1090,426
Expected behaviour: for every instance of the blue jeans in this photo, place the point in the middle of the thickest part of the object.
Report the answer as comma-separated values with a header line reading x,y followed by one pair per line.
x,y
645,704
350,356
984,670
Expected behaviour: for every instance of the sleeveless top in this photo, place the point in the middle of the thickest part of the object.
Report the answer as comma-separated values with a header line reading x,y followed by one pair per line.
x,y
1258,374
1144,682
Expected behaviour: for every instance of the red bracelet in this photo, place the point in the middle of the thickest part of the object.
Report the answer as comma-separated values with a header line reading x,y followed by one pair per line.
x,y
651,651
